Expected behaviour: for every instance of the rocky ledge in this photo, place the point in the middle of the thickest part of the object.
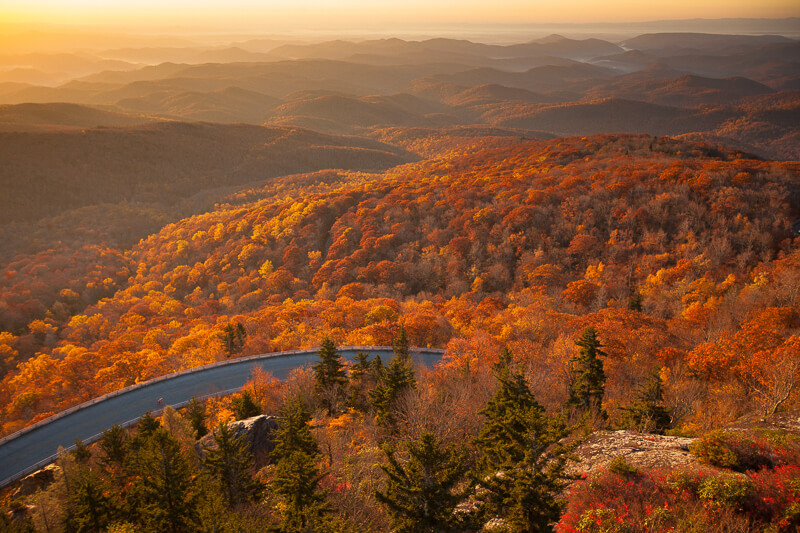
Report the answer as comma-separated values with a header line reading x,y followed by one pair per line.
x,y
257,431
641,450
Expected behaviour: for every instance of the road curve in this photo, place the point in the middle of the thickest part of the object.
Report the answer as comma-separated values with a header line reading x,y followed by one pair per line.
x,y
30,449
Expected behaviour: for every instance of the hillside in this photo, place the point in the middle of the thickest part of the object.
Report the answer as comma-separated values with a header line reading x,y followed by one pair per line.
x,y
616,115
341,114
24,117
683,91
228,105
670,248
50,172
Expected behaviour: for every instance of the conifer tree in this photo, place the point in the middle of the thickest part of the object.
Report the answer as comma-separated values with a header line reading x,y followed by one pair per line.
x,y
245,406
378,368
362,379
395,380
297,477
163,495
231,464
293,432
647,412
329,375
400,344
196,413
522,465
81,452
147,425
587,379
422,494
112,443
145,428
215,516
89,506
16,518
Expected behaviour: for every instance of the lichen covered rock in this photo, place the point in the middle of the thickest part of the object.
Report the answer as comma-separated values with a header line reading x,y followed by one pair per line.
x,y
258,431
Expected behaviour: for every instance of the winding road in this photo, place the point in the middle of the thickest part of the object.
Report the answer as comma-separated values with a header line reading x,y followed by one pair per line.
x,y
32,448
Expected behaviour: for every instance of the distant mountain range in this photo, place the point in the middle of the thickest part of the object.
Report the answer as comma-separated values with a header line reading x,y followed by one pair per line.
x,y
699,84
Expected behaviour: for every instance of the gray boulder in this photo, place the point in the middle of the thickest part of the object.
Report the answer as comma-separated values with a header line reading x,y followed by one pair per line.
x,y
641,450
258,432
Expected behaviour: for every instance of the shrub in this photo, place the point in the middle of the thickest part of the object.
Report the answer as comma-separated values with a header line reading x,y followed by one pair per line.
x,y
687,501
684,481
602,520
776,497
784,446
628,501
659,518
725,490
621,467
714,449
741,452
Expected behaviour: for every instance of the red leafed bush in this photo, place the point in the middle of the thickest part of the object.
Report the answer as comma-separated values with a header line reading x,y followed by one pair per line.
x,y
685,500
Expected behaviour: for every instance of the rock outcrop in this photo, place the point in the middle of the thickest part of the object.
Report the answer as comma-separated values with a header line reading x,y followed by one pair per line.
x,y
641,450
41,479
258,432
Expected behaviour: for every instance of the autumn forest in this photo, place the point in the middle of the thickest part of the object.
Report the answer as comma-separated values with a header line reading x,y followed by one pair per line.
x,y
583,277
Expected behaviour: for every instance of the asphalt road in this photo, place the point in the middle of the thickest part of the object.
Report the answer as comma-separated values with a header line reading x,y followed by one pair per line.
x,y
28,450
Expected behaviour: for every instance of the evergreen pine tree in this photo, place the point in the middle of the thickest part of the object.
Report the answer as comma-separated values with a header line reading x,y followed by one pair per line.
x,y
587,379
245,405
378,368
647,412
196,413
361,366
330,377
231,464
522,464
81,453
215,516
361,381
293,432
400,344
112,443
422,494
147,425
297,477
89,506
163,495
395,379
145,428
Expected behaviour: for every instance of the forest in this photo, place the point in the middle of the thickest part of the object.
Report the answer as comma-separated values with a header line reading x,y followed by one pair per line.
x,y
577,284
602,235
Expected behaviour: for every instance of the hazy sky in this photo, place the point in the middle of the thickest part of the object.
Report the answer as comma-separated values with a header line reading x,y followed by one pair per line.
x,y
274,14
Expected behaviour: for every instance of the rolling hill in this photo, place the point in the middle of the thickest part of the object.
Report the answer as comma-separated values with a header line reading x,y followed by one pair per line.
x,y
681,91
231,104
616,115
22,117
342,114
49,172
